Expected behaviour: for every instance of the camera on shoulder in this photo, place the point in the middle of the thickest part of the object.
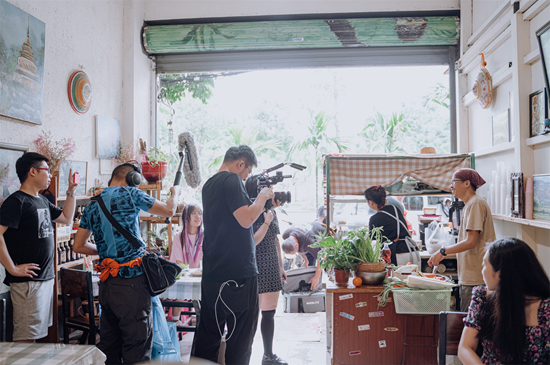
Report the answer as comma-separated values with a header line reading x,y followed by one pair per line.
x,y
256,183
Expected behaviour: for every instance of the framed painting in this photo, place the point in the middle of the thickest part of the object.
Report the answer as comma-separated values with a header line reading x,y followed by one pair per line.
x,y
517,195
538,111
543,38
501,127
541,197
77,166
107,137
9,182
22,39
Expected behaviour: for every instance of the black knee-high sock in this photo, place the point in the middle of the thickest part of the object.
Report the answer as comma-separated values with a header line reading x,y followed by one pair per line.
x,y
268,329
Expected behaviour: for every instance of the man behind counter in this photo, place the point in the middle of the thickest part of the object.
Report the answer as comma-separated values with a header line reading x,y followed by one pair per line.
x,y
299,240
476,230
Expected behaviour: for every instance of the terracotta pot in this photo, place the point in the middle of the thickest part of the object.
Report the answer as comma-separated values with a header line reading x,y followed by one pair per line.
x,y
155,172
371,266
341,277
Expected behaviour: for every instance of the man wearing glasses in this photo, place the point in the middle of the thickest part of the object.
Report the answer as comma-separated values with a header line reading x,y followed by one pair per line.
x,y
27,246
475,231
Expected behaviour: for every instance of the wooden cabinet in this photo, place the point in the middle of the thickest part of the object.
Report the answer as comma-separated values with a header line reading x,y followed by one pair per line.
x,y
377,335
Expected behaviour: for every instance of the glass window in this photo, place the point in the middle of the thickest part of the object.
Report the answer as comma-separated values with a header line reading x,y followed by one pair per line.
x,y
413,203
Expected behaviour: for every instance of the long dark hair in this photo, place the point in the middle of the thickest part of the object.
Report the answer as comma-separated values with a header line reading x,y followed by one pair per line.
x,y
503,315
376,194
186,218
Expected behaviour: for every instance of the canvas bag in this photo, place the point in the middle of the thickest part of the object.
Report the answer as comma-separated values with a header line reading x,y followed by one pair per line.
x,y
161,273
413,255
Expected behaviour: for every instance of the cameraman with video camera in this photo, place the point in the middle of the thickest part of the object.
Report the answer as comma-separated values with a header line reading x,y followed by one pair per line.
x,y
229,286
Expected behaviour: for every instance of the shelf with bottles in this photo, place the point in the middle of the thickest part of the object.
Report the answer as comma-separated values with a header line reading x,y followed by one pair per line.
x,y
155,191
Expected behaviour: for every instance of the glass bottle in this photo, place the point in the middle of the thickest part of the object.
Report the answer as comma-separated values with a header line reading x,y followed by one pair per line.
x,y
63,253
386,254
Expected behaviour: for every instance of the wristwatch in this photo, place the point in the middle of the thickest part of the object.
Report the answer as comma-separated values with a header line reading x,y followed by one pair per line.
x,y
69,194
442,251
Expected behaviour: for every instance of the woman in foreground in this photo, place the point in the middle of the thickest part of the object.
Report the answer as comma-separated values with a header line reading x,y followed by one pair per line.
x,y
510,315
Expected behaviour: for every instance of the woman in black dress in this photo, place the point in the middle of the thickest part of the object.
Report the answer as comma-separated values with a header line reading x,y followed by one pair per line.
x,y
270,269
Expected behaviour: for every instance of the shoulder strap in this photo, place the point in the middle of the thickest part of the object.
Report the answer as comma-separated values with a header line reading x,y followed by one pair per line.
x,y
399,223
133,240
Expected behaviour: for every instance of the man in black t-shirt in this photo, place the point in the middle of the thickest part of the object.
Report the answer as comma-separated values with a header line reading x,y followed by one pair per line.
x,y
298,240
229,260
27,246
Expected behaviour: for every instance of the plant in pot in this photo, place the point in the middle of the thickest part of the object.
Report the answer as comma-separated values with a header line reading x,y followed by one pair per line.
x,y
160,240
367,251
336,254
155,166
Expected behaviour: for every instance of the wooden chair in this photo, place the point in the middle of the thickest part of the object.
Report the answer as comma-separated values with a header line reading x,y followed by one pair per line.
x,y
187,325
77,284
450,330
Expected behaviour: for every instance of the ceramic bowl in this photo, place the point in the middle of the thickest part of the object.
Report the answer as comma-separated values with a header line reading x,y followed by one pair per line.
x,y
372,278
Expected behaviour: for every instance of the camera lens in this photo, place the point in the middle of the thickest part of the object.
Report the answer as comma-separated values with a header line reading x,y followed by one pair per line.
x,y
282,196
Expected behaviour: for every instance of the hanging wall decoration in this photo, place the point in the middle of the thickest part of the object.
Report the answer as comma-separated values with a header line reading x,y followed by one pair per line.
x,y
483,86
22,38
538,112
9,182
80,92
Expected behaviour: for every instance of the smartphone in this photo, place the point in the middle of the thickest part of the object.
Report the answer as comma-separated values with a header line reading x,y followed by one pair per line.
x,y
76,178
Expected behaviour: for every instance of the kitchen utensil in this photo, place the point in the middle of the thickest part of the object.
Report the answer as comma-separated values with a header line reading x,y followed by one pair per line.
x,y
372,278
435,269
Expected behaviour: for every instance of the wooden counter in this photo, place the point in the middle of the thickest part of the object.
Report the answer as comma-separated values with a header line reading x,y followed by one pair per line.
x,y
377,335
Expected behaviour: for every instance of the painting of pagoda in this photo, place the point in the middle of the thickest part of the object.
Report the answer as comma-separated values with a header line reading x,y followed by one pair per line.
x,y
22,39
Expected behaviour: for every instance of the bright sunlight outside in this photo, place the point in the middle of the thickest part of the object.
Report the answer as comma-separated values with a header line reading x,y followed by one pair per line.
x,y
300,114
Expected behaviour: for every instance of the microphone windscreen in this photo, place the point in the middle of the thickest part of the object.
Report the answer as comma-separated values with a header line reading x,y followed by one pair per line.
x,y
191,164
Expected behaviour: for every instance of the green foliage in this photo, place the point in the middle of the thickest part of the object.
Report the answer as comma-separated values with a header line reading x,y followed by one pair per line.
x,y
156,155
367,244
175,87
336,254
440,96
387,134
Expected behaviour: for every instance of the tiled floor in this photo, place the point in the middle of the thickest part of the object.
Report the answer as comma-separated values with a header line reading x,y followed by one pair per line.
x,y
300,339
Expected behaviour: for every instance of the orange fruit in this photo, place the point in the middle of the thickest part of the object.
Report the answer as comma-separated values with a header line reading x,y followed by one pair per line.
x,y
357,282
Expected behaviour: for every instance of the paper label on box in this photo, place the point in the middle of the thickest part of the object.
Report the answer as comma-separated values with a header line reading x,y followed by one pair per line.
x,y
382,343
347,296
391,329
364,327
360,304
348,316
376,314
353,353
63,233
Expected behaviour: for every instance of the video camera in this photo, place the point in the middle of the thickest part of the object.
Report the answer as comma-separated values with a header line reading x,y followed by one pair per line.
x,y
265,181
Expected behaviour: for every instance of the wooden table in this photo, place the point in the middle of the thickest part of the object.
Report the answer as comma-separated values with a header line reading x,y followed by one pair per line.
x,y
49,354
364,334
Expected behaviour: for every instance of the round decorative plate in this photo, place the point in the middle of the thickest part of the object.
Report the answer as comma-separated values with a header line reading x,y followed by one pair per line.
x,y
483,88
80,92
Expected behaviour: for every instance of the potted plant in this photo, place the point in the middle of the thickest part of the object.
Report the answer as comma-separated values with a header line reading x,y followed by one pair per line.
x,y
156,165
160,240
367,249
338,255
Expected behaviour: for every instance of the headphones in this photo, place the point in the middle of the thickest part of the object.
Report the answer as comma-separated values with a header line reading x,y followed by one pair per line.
x,y
133,178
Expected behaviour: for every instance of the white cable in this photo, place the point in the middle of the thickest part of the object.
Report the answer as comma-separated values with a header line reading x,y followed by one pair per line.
x,y
216,309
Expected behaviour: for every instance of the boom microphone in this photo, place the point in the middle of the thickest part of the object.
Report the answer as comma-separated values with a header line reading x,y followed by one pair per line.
x,y
191,165
177,179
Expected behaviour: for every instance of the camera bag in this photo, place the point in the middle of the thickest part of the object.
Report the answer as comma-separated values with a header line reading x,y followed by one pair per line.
x,y
160,272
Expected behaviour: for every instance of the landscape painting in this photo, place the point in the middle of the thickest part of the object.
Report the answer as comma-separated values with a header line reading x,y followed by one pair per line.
x,y
541,199
22,39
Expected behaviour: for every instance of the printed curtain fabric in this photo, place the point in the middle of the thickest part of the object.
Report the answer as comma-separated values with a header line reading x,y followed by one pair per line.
x,y
353,174
296,34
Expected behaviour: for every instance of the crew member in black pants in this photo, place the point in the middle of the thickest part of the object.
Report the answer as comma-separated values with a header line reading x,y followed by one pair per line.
x,y
229,288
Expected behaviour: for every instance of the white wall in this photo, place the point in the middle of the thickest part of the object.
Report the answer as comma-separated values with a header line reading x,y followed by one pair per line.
x,y
505,37
188,9
96,37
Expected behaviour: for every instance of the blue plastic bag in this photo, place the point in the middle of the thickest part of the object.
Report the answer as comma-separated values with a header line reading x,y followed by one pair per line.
x,y
166,347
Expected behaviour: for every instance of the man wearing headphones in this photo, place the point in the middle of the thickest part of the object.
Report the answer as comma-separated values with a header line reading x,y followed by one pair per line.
x,y
126,320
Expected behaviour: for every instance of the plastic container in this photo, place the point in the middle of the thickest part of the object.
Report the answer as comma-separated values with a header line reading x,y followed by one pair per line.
x,y
421,301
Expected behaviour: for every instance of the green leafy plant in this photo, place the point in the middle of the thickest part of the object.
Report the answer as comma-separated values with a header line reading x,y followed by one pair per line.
x,y
155,155
367,244
337,254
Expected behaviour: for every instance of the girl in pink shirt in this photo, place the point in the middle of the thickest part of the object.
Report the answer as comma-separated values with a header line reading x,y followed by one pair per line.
x,y
187,244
